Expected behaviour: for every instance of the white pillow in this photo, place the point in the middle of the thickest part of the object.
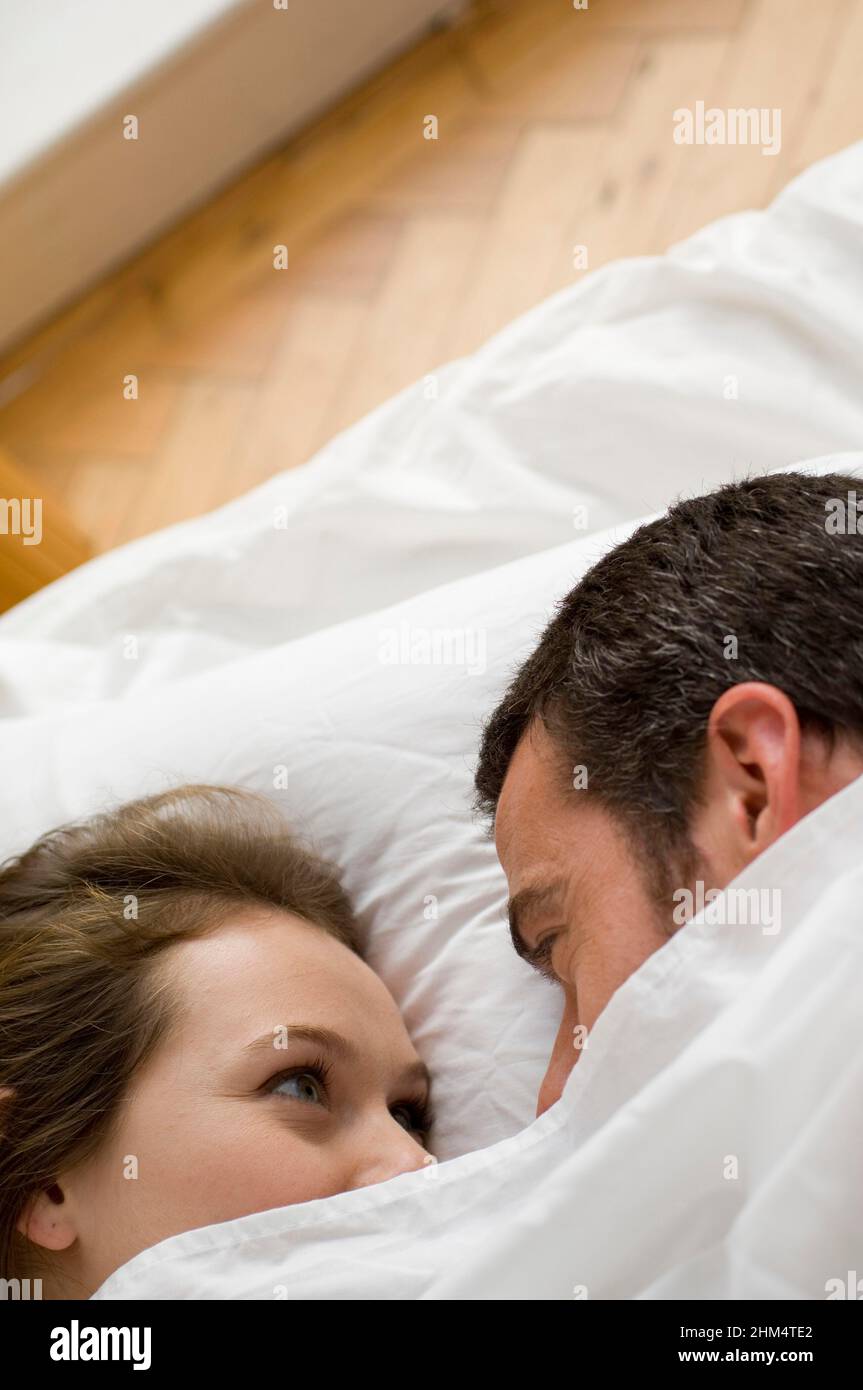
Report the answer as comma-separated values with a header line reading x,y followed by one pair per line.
x,y
378,760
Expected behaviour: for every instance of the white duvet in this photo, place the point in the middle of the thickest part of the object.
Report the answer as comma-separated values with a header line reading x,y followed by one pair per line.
x,y
708,1143
739,350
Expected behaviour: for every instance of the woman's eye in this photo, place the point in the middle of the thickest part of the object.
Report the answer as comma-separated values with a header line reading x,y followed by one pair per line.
x,y
302,1085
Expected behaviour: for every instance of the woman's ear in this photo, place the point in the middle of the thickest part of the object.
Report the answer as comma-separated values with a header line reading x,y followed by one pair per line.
x,y
47,1221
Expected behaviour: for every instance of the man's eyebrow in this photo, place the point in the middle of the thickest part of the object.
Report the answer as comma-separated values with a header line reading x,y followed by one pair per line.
x,y
526,904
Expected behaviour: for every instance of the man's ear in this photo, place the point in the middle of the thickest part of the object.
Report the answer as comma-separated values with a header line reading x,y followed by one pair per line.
x,y
752,771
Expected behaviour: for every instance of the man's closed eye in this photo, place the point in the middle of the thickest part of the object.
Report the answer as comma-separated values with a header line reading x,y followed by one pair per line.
x,y
539,957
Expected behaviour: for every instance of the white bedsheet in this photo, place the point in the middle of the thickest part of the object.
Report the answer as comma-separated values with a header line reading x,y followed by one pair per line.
x,y
709,1143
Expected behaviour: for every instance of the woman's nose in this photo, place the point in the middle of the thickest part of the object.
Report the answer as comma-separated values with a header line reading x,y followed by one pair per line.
x,y
386,1150
564,1056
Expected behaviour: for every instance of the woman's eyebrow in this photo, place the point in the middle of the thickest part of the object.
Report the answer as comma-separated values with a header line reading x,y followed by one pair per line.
x,y
334,1042
283,1034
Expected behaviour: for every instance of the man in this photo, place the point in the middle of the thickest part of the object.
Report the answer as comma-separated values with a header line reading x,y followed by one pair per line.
x,y
696,694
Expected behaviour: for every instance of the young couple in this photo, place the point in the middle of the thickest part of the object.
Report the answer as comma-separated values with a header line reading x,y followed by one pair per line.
x,y
189,1031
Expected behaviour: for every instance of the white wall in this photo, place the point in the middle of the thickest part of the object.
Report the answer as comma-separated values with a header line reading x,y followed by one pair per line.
x,y
214,84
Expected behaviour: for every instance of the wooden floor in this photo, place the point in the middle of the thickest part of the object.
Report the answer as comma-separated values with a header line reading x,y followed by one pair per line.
x,y
555,130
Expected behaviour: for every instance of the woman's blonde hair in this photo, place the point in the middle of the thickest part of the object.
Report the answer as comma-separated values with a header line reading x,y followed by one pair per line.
x,y
84,915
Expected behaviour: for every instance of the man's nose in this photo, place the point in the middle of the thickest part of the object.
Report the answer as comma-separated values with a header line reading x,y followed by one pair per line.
x,y
564,1056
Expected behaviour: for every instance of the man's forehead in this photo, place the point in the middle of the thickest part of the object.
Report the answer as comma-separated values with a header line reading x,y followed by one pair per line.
x,y
530,796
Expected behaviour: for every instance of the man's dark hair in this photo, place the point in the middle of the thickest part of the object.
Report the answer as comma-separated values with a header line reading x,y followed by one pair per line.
x,y
628,670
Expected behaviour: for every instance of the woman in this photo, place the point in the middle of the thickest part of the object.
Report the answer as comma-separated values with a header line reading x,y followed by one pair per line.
x,y
187,1034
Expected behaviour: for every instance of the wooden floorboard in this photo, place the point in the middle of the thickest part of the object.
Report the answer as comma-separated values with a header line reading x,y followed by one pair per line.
x,y
555,133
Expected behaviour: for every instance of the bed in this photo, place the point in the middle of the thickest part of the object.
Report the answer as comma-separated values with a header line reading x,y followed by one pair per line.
x,y
248,647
